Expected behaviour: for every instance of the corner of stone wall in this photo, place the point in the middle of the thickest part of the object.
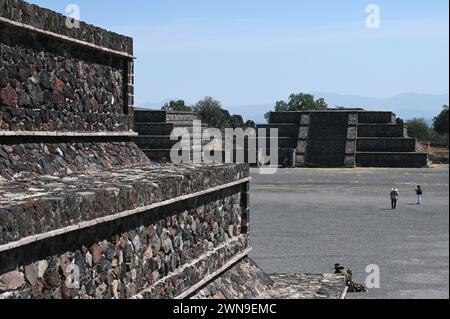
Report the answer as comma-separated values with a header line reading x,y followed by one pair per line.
x,y
302,144
352,134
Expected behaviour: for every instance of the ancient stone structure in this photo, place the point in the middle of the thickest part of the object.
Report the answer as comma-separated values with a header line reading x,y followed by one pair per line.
x,y
245,280
83,212
154,128
344,138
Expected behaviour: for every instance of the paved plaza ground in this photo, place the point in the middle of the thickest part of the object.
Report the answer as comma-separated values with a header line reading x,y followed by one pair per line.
x,y
306,220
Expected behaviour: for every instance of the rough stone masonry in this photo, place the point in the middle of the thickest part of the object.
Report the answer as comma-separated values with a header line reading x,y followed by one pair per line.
x,y
83,212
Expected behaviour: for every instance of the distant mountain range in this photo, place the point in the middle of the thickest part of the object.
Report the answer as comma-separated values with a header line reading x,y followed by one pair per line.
x,y
406,106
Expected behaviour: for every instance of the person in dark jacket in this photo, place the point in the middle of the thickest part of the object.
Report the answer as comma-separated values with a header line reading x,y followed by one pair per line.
x,y
419,194
394,198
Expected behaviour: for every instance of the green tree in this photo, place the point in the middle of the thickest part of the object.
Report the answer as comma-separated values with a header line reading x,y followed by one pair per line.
x,y
236,121
304,102
440,122
250,124
419,129
321,104
177,106
210,111
299,102
281,106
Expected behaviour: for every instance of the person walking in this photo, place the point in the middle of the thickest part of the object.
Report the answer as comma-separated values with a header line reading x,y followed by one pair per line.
x,y
419,194
394,198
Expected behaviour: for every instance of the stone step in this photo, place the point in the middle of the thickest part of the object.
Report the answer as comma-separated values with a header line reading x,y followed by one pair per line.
x,y
284,130
159,116
160,141
155,144
155,116
285,117
283,142
289,154
376,118
159,154
151,128
385,144
382,130
175,117
391,159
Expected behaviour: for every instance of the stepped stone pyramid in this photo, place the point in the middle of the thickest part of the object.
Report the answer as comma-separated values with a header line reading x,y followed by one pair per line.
x,y
154,128
344,138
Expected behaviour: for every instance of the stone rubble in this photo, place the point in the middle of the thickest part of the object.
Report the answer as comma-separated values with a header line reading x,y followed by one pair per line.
x,y
246,280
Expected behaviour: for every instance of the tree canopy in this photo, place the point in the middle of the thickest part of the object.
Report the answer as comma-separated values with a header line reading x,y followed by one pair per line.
x,y
212,113
177,106
299,102
418,128
440,122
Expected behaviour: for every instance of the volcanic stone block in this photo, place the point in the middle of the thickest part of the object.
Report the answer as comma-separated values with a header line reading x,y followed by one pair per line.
x,y
350,147
381,130
181,117
376,118
283,142
284,130
303,132
305,119
299,160
61,158
56,85
44,19
352,119
386,144
150,116
285,117
349,161
352,133
368,159
153,128
301,147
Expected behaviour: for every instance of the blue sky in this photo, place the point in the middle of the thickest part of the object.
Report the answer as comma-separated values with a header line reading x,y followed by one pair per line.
x,y
254,52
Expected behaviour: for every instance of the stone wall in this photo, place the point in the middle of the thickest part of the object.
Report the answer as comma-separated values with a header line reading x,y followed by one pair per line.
x,y
123,258
66,158
53,84
382,130
386,145
51,21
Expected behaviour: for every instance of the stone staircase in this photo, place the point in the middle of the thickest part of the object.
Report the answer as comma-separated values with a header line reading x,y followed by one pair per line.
x,y
382,142
154,128
327,139
287,138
